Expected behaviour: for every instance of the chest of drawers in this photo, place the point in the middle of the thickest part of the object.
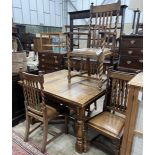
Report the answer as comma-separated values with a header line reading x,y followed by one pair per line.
x,y
50,62
131,52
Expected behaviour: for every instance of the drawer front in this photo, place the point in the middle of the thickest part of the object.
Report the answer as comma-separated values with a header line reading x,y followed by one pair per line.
x,y
132,52
131,62
131,43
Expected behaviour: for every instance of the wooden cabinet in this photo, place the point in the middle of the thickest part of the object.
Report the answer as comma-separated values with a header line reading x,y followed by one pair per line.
x,y
18,108
131,52
50,62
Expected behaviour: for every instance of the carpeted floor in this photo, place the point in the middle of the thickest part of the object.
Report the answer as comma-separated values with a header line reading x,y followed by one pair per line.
x,y
63,145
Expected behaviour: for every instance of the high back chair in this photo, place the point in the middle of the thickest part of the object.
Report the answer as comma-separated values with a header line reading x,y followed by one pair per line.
x,y
105,19
36,107
110,123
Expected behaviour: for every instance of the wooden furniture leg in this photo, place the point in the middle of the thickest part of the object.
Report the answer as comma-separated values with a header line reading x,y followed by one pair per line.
x,y
80,129
45,132
27,128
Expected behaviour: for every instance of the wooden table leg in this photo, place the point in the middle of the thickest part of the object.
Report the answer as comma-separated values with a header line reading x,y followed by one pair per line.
x,y
81,143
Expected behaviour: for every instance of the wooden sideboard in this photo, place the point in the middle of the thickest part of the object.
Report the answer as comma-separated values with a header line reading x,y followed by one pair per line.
x,y
131,52
18,109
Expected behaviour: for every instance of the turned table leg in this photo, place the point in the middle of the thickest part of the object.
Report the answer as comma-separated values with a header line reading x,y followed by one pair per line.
x,y
81,143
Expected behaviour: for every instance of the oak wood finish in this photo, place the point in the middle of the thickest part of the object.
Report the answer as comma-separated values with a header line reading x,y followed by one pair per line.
x,y
135,85
77,95
103,22
111,121
86,14
49,44
36,107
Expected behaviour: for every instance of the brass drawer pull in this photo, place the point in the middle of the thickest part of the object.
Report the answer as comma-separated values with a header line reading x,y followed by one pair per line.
x,y
128,62
130,52
132,41
141,61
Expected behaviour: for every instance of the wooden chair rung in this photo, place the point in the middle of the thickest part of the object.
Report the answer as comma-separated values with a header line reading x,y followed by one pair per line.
x,y
35,128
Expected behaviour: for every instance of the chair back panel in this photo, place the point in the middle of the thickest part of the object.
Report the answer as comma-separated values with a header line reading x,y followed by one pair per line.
x,y
116,99
33,91
106,20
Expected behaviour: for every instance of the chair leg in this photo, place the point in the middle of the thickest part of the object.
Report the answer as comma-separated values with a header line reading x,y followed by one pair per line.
x,y
45,132
95,105
89,112
117,147
66,124
27,128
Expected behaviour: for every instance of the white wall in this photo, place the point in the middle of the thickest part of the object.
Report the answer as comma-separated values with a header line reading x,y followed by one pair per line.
x,y
55,12
38,12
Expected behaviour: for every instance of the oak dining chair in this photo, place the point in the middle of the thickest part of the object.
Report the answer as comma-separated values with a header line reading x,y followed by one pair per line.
x,y
37,108
110,122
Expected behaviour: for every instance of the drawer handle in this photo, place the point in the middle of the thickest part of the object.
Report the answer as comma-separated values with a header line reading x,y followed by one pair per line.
x,y
128,62
132,41
141,51
141,61
130,52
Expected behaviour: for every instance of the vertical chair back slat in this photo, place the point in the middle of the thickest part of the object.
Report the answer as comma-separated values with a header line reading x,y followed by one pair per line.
x,y
117,91
33,91
105,19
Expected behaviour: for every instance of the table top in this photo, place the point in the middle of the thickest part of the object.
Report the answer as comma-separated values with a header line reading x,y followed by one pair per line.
x,y
81,91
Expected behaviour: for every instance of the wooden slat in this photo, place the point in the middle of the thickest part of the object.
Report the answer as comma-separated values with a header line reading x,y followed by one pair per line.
x,y
106,8
139,133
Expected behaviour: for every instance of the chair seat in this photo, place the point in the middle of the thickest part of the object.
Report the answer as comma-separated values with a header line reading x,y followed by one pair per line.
x,y
89,52
51,112
108,123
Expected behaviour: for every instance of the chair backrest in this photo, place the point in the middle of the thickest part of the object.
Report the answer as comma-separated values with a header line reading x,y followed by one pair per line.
x,y
105,18
33,92
117,91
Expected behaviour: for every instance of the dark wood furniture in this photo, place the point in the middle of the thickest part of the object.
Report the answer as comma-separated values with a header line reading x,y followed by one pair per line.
x,y
110,123
18,109
131,52
36,107
50,61
78,95
133,117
